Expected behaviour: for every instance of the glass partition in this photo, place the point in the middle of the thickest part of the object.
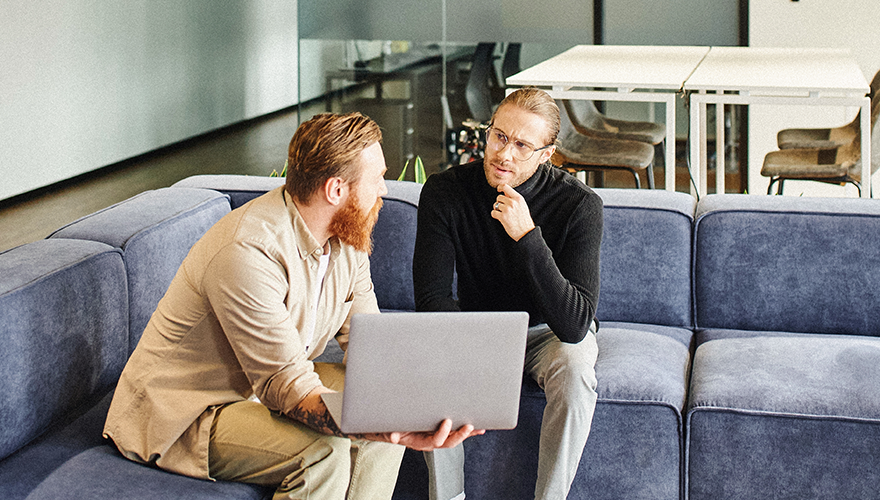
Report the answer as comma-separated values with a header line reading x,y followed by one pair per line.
x,y
407,65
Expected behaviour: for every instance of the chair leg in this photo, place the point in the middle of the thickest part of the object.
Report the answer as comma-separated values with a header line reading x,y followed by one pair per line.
x,y
774,180
650,172
858,186
636,177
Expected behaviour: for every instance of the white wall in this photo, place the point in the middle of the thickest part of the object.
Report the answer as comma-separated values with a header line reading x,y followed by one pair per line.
x,y
85,84
850,24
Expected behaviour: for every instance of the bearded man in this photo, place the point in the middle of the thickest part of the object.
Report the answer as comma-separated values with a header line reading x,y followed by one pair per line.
x,y
222,384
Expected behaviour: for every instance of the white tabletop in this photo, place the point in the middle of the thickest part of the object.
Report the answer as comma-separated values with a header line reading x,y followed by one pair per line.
x,y
791,70
615,66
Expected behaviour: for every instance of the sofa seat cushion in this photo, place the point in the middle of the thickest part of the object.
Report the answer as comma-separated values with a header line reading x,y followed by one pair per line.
x,y
635,445
24,470
101,472
798,413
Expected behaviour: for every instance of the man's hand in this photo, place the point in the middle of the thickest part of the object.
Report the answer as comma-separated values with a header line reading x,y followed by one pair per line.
x,y
444,437
512,211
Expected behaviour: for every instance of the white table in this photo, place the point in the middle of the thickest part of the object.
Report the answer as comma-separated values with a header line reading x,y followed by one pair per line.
x,y
619,73
756,75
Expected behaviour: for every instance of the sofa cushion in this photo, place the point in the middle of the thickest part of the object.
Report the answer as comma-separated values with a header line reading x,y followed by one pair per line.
x,y
646,257
240,188
394,240
64,332
24,470
635,447
796,413
778,263
155,230
101,472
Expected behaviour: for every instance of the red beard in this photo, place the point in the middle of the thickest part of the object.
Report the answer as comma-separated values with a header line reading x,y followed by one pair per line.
x,y
354,226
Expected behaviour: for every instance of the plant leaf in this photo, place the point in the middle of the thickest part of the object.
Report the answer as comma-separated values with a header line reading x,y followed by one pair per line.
x,y
403,172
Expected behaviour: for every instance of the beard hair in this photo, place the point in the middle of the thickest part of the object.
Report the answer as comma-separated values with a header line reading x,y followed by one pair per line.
x,y
354,226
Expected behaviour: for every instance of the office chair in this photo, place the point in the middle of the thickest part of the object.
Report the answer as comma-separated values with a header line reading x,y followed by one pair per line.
x,y
836,165
824,138
466,143
576,151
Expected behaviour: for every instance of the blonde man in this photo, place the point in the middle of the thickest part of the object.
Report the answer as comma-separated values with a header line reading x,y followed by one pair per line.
x,y
521,235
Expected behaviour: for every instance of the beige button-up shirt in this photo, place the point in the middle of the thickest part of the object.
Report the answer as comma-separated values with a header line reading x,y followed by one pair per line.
x,y
234,323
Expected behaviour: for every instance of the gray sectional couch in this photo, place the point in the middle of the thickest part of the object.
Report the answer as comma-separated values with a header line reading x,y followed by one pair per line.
x,y
738,345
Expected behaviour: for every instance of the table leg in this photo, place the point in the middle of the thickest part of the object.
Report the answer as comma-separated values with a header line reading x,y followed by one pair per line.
x,y
865,123
697,137
720,141
670,143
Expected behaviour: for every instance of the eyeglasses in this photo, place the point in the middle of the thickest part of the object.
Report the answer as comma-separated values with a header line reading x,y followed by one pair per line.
x,y
521,151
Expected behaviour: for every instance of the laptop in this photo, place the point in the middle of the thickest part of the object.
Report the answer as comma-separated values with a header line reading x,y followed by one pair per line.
x,y
408,371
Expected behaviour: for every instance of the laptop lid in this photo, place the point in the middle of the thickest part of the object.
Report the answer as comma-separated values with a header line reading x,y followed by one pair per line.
x,y
409,371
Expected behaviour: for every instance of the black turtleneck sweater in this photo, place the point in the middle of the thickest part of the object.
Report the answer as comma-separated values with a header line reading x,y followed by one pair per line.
x,y
552,272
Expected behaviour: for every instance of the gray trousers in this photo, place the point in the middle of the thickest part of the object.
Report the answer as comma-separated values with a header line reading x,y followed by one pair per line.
x,y
566,373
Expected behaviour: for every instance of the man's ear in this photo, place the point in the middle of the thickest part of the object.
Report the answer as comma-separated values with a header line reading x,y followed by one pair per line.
x,y
335,190
546,154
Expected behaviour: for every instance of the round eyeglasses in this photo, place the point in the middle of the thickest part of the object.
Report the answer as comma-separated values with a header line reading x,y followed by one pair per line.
x,y
520,151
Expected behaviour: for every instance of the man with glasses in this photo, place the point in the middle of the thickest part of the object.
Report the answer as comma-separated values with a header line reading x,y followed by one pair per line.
x,y
520,235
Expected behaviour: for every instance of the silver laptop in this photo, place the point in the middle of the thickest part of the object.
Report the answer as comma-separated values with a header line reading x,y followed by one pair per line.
x,y
409,371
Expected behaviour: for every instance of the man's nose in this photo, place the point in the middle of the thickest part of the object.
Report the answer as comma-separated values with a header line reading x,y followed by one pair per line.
x,y
506,152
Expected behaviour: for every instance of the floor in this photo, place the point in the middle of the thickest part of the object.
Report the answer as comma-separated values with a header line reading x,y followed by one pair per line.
x,y
256,147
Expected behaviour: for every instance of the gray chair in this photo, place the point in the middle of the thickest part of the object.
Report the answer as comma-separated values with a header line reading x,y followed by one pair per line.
x,y
576,151
802,138
589,121
835,165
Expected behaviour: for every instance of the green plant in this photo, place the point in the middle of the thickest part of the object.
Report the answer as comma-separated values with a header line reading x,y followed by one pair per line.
x,y
283,171
418,171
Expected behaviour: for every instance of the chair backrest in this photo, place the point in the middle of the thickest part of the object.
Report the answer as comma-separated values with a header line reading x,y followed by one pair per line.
x,y
510,66
477,90
875,88
854,149
566,125
584,114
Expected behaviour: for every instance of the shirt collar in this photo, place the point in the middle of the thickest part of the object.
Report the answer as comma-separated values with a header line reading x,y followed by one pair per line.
x,y
306,244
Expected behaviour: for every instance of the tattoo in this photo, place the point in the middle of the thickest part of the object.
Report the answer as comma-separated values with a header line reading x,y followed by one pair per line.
x,y
318,419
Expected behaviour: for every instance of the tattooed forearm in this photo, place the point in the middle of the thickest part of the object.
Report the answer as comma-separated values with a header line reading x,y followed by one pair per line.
x,y
317,417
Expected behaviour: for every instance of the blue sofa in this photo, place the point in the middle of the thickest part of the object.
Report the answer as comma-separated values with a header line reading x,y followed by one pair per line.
x,y
738,350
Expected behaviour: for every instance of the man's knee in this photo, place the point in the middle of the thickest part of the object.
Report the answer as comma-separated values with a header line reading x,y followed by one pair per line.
x,y
323,464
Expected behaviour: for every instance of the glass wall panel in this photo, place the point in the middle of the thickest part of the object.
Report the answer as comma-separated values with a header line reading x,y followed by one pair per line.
x,y
407,66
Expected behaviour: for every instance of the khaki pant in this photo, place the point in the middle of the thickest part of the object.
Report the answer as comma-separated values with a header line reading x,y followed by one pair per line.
x,y
253,445
567,374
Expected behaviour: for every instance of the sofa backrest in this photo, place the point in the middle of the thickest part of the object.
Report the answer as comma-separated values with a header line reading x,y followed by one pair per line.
x,y
779,263
155,231
394,240
394,234
240,188
646,257
63,332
